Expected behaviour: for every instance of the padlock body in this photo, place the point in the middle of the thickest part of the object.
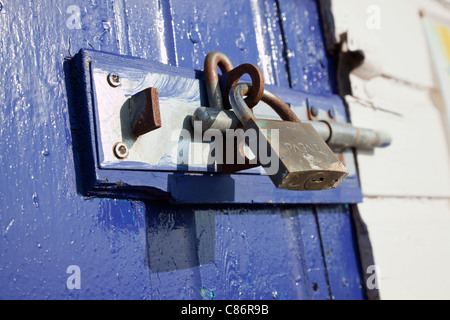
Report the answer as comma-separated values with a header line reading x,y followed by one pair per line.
x,y
305,162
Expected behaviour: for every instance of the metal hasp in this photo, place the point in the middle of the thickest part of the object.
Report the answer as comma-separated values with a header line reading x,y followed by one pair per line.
x,y
214,60
305,162
115,109
256,90
217,59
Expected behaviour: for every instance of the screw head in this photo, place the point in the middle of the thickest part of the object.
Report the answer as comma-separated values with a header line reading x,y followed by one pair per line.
x,y
314,111
121,150
331,113
114,80
194,36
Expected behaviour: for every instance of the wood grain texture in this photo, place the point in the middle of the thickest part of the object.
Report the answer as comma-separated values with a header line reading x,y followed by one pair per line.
x,y
313,71
182,34
309,67
285,268
340,252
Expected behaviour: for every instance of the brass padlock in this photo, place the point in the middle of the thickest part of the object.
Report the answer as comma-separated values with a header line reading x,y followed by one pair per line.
x,y
304,162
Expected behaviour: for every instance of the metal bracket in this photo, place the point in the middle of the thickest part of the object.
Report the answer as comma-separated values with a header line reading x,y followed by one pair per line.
x,y
119,156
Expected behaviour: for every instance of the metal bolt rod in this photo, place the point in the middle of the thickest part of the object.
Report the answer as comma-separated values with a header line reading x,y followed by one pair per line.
x,y
336,134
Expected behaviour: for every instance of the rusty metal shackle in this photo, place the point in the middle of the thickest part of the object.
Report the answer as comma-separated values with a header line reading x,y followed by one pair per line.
x,y
280,107
218,59
244,114
213,60
256,91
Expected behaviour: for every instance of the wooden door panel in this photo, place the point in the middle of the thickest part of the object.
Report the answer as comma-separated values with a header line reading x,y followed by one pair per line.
x,y
154,250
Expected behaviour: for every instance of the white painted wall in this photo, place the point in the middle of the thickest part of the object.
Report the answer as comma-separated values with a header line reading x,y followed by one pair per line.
x,y
406,187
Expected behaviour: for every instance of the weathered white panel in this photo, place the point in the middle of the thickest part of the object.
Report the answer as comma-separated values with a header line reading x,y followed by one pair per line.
x,y
411,245
397,43
407,185
418,161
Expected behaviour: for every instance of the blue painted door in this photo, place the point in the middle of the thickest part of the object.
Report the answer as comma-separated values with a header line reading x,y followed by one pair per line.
x,y
154,250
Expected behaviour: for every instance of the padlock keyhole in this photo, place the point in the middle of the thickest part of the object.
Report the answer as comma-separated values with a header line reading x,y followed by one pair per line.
x,y
315,182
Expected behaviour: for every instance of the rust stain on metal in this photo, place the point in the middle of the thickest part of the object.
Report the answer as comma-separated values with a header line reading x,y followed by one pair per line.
x,y
312,113
341,158
150,118
338,166
280,107
358,135
257,88
213,60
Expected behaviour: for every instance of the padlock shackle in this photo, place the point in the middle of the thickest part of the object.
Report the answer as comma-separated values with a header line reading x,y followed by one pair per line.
x,y
213,60
283,110
237,102
243,112
256,92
